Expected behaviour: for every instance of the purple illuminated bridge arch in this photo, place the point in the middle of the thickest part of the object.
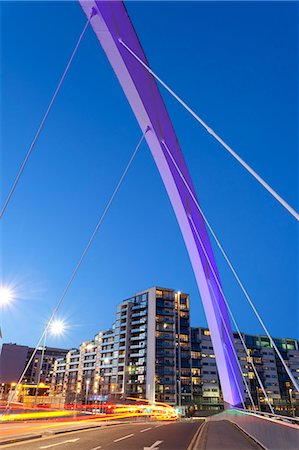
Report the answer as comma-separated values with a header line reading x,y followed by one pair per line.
x,y
111,23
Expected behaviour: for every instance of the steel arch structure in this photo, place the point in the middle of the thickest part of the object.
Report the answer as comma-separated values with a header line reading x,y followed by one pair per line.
x,y
111,23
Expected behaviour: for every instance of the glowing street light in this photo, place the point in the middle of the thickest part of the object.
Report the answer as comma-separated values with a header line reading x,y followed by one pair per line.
x,y
57,327
6,298
6,295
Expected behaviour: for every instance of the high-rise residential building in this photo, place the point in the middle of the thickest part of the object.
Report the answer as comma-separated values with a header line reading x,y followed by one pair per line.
x,y
152,347
146,355
152,353
205,380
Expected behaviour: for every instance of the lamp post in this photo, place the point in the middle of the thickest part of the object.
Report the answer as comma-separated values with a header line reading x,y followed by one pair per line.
x,y
102,379
56,328
291,401
87,390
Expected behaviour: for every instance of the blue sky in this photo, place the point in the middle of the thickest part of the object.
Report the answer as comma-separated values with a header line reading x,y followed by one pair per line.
x,y
236,65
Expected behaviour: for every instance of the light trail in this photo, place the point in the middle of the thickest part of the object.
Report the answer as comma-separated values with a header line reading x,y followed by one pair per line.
x,y
157,411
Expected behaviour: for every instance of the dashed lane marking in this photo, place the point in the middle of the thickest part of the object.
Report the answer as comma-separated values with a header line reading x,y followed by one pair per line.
x,y
124,437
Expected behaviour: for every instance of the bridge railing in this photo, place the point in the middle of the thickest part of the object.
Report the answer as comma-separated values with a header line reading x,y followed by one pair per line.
x,y
270,431
287,419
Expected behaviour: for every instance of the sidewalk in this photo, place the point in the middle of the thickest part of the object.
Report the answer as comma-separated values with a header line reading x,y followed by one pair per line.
x,y
222,435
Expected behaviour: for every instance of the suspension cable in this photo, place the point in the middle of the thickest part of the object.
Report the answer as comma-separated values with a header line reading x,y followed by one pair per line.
x,y
77,267
14,185
233,319
249,169
232,268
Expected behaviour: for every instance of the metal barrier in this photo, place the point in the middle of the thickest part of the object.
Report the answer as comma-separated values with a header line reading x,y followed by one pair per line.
x,y
270,431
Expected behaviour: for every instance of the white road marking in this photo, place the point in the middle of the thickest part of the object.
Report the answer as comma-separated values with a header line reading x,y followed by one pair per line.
x,y
96,448
146,429
162,425
60,443
153,446
124,437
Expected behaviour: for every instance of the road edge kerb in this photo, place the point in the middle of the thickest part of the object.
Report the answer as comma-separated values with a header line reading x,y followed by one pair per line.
x,y
21,439
53,433
197,435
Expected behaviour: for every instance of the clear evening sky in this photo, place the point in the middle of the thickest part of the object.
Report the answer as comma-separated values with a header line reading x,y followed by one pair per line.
x,y
236,64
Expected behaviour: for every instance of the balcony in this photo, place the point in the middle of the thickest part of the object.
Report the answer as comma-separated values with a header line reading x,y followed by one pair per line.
x,y
164,304
139,314
138,322
140,306
165,373
137,354
164,344
164,312
160,353
139,330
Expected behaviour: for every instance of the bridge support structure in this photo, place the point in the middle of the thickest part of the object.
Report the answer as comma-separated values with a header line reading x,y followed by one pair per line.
x,y
112,26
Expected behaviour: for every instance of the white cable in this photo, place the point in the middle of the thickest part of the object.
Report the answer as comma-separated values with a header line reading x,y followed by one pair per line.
x,y
75,271
232,269
215,135
233,319
14,185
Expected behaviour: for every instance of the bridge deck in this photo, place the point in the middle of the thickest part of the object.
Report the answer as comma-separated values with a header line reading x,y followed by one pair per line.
x,y
222,435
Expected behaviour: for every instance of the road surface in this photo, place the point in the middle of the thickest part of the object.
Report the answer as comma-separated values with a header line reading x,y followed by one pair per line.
x,y
150,435
191,435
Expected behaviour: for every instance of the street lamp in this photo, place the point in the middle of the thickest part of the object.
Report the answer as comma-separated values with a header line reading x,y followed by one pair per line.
x,y
87,390
291,401
102,379
56,328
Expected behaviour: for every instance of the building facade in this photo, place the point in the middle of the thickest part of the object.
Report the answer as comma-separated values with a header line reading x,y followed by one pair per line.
x,y
206,387
14,359
153,353
85,374
152,350
146,355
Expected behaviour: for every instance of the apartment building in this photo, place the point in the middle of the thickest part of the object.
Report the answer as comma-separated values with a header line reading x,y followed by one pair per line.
x,y
205,380
152,353
84,374
152,347
146,355
14,361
